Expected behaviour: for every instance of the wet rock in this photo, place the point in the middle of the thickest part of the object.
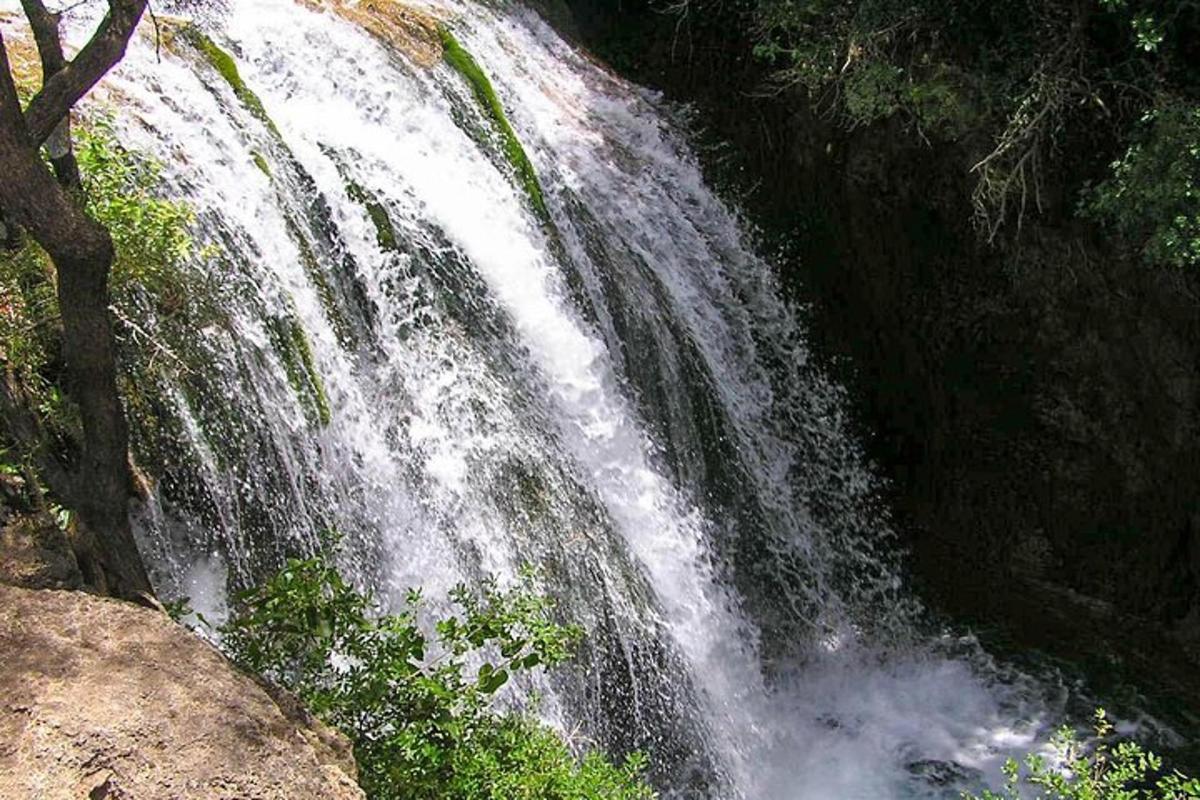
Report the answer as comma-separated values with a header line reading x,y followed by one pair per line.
x,y
944,779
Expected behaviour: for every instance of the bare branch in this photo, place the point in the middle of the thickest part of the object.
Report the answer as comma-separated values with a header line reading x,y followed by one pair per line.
x,y
45,33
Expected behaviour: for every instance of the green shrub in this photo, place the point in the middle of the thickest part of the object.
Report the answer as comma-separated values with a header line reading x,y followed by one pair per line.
x,y
151,235
1153,194
1105,771
421,717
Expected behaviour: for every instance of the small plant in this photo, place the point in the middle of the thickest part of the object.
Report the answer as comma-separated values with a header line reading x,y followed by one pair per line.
x,y
1103,771
419,709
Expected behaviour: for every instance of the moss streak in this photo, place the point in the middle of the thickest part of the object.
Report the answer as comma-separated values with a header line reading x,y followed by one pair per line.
x,y
385,232
291,343
224,64
466,65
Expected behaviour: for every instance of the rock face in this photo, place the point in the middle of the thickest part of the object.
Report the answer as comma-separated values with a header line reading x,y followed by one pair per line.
x,y
1035,405
35,553
104,699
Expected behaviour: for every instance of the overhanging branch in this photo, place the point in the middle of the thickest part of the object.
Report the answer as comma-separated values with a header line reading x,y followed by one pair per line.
x,y
65,88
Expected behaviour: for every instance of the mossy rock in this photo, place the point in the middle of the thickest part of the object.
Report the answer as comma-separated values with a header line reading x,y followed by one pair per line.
x,y
294,350
385,231
227,68
465,65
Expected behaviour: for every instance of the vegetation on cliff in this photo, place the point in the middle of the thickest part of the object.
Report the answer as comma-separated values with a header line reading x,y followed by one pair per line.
x,y
1102,770
1050,86
421,709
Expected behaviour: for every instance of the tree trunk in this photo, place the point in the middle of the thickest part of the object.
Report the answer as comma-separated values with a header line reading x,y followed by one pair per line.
x,y
82,252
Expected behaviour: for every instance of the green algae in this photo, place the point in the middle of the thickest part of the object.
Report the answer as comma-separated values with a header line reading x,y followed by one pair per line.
x,y
385,231
465,65
294,349
260,161
227,68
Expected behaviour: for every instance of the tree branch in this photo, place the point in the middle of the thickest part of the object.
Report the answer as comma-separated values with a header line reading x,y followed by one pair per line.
x,y
64,89
45,34
10,104
45,26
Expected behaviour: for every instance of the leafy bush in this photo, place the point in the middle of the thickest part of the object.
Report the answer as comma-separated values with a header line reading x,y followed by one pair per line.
x,y
1153,194
1123,771
152,236
421,718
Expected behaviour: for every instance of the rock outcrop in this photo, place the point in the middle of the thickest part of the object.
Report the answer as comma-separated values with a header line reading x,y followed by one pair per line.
x,y
103,699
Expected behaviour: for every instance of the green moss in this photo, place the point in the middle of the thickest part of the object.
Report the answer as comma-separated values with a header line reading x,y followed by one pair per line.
x,y
385,232
292,345
224,64
325,290
466,66
316,385
261,162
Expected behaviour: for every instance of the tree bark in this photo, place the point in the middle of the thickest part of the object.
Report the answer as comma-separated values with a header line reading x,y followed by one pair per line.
x,y
82,252
67,87
45,26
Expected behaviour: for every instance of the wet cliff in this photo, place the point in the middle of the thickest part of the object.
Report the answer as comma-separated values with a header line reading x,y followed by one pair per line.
x,y
1035,402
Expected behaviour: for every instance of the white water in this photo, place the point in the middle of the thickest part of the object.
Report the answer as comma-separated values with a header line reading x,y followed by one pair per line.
x,y
626,402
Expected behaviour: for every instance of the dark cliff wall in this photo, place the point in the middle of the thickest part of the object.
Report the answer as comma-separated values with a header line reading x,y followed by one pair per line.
x,y
1035,405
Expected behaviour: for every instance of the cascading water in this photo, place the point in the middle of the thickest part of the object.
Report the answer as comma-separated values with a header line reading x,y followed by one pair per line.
x,y
410,348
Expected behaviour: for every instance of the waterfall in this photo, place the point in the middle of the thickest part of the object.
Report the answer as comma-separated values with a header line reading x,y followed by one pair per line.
x,y
466,358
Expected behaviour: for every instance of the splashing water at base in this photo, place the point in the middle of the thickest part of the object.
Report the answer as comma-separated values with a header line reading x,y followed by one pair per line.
x,y
412,355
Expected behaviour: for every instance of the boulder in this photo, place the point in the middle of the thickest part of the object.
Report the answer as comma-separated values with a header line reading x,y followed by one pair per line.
x,y
105,699
35,553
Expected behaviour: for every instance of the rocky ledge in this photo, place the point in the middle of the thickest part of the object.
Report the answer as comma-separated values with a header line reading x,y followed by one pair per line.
x,y
104,699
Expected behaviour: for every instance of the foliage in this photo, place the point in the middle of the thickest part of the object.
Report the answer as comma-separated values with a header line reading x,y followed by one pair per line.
x,y
420,715
1107,771
151,235
1034,86
1153,193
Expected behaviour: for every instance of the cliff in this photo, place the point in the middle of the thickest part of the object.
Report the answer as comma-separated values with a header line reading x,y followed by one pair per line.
x,y
1035,403
105,699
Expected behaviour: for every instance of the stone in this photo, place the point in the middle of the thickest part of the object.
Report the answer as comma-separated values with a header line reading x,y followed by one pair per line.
x,y
105,699
35,553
